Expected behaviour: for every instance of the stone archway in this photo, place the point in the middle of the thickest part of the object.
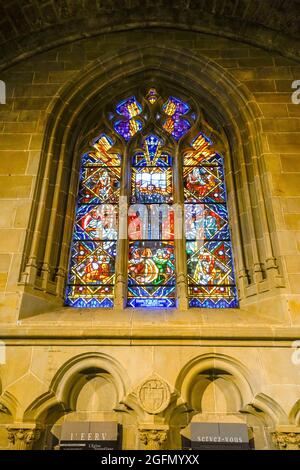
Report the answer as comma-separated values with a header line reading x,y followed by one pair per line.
x,y
88,387
217,388
71,119
265,26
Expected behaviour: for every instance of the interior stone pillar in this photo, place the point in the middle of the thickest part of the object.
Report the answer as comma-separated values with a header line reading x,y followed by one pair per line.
x,y
286,438
22,436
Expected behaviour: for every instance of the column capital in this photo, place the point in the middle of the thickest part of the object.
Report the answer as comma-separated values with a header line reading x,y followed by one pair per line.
x,y
287,438
22,436
153,438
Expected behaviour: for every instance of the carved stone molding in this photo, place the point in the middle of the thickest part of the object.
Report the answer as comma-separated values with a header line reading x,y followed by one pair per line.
x,y
154,394
153,439
22,437
286,440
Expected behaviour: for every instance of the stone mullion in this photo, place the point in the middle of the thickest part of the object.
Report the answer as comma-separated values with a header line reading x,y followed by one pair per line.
x,y
180,253
121,264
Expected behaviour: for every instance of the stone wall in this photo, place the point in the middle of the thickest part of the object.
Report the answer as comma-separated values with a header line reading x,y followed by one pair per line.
x,y
256,338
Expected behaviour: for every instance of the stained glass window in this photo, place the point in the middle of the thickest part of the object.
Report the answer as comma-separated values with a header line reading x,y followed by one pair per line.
x,y
92,266
175,124
129,124
151,265
211,281
147,132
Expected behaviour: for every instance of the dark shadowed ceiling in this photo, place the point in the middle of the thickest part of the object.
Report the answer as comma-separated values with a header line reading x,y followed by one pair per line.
x,y
27,26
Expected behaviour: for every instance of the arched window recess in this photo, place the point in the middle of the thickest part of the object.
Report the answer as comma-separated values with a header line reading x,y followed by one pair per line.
x,y
151,226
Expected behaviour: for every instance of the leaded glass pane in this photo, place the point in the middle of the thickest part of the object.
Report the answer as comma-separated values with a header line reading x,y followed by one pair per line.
x,y
211,280
92,265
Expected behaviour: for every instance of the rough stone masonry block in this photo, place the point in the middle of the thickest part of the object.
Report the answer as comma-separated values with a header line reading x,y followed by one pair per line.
x,y
286,184
15,186
290,163
19,127
8,212
14,142
5,259
294,280
13,161
3,280
292,221
274,110
284,142
261,85
10,240
292,263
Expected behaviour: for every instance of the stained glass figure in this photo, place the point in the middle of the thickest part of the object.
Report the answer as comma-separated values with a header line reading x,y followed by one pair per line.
x,y
151,266
211,280
204,184
92,266
175,124
129,125
206,221
151,274
99,185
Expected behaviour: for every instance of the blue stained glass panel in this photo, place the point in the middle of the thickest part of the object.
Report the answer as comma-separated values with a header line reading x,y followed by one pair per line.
x,y
204,184
175,124
151,185
92,265
175,106
129,128
211,279
99,185
153,154
96,222
206,222
151,265
150,222
209,263
129,107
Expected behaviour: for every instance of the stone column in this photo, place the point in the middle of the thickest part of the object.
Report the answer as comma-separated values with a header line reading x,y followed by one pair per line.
x,y
121,260
153,438
179,234
286,438
22,436
121,265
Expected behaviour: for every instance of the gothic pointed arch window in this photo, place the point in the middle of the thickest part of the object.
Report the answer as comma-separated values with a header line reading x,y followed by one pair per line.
x,y
146,148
